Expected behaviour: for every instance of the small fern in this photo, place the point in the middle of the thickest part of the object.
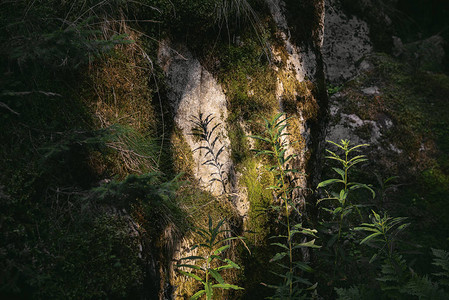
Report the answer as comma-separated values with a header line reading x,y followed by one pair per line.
x,y
423,288
441,260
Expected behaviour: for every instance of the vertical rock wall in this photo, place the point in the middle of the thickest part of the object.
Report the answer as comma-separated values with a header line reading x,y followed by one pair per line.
x,y
196,96
194,93
346,41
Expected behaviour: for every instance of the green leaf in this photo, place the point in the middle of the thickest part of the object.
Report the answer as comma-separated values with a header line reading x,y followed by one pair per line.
x,y
337,159
343,195
323,199
278,256
340,171
208,288
267,152
357,157
355,186
215,257
192,258
224,267
280,245
353,163
191,275
259,138
189,266
233,264
332,153
358,146
309,244
370,237
216,275
227,286
210,224
197,295
337,210
303,266
313,287
403,226
221,249
229,238
273,187
338,145
329,181
367,228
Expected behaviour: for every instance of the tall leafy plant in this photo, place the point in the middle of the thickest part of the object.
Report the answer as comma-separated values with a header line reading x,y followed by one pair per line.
x,y
207,267
275,143
342,205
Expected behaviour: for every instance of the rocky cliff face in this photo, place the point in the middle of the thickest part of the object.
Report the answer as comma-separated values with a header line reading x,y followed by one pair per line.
x,y
196,98
346,41
127,124
338,51
196,94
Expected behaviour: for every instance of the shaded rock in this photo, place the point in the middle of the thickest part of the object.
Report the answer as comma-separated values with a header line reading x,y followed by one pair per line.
x,y
373,90
346,41
302,60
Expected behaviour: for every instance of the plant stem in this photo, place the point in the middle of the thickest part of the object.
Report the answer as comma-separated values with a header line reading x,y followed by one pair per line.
x,y
284,192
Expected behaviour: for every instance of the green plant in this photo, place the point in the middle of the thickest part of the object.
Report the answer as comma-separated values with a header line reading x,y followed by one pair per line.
x,y
383,233
333,89
396,277
275,138
341,240
344,205
214,245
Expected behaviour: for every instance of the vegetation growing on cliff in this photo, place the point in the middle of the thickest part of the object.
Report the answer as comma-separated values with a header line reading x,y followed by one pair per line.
x,y
97,192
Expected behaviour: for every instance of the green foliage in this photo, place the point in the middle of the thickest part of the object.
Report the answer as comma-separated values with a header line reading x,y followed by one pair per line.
x,y
352,293
154,195
55,34
441,260
344,206
274,138
333,89
72,243
339,236
210,264
400,282
383,232
414,102
397,280
99,259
